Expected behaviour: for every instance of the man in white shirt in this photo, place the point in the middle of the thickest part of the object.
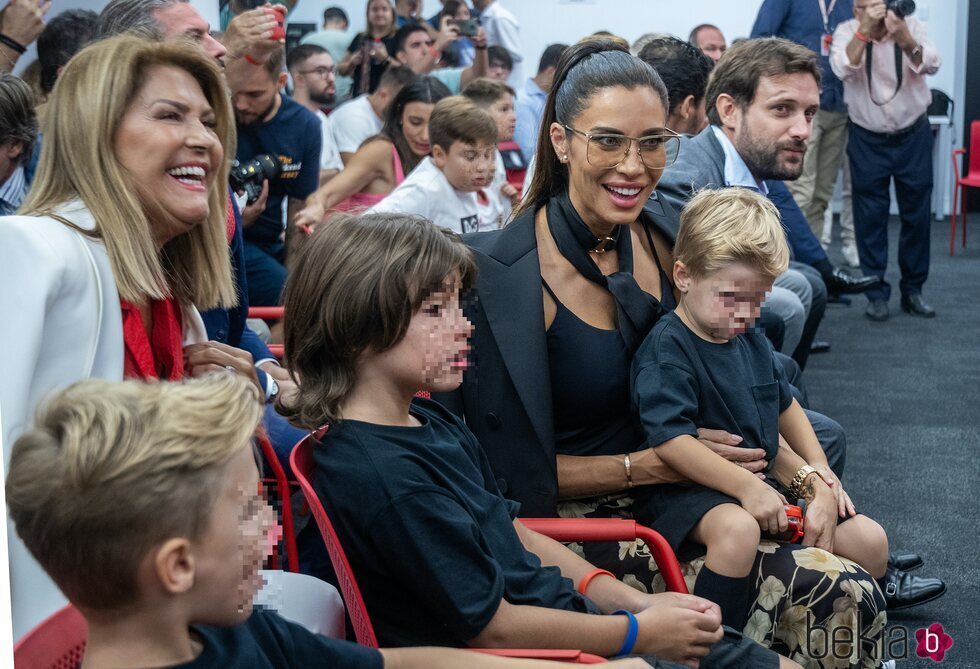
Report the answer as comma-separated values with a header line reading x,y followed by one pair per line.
x,y
883,60
312,70
416,49
502,30
445,188
363,117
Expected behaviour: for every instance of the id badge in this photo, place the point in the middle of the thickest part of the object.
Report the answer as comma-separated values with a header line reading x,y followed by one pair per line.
x,y
825,43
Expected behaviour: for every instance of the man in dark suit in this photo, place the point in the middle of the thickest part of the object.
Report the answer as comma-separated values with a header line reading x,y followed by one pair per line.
x,y
759,126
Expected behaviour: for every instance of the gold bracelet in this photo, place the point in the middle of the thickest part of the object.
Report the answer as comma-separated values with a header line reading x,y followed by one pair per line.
x,y
796,485
629,470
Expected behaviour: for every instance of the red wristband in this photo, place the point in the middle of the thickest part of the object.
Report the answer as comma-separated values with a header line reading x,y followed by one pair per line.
x,y
584,583
249,58
861,36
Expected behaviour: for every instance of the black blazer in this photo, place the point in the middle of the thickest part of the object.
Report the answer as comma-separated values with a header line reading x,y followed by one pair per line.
x,y
505,397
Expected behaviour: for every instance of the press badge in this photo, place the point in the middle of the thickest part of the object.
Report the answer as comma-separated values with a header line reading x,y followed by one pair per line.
x,y
825,43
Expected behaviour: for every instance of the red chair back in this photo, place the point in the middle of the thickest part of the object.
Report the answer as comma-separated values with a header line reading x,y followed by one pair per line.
x,y
301,460
281,481
56,643
974,168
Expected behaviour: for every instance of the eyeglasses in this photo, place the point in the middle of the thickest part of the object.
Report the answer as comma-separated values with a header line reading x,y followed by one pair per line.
x,y
607,151
321,71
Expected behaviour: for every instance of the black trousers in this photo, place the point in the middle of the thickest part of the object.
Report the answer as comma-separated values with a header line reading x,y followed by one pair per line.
x,y
876,160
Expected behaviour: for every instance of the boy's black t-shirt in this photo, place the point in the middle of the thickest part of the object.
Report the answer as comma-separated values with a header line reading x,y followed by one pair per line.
x,y
267,641
681,382
427,533
294,135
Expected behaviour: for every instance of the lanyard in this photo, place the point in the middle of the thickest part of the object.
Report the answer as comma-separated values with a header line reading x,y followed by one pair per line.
x,y
825,13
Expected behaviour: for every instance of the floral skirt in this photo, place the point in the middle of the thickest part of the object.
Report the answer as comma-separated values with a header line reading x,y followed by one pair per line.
x,y
821,610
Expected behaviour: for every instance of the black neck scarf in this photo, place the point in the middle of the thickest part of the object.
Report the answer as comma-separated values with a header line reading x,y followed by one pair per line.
x,y
636,310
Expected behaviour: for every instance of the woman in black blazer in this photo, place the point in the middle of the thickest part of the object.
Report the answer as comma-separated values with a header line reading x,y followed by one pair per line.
x,y
565,294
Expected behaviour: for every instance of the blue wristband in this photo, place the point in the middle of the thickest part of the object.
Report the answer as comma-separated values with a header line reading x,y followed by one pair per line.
x,y
631,633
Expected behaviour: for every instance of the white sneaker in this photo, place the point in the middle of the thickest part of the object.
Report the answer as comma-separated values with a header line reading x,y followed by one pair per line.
x,y
850,253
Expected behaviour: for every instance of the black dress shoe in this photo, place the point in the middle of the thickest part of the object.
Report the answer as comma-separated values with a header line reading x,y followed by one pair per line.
x,y
904,590
820,346
915,305
904,561
840,282
877,310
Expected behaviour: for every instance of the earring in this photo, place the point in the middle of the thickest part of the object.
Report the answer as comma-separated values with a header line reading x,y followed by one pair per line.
x,y
564,157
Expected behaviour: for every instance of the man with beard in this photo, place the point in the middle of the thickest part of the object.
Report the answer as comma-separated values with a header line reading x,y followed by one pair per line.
x,y
760,101
314,75
271,123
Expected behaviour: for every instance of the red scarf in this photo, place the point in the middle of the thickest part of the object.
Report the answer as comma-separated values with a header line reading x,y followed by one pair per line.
x,y
229,219
160,355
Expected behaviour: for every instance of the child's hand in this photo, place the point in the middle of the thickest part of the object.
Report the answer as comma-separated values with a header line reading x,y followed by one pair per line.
x,y
677,627
767,506
511,193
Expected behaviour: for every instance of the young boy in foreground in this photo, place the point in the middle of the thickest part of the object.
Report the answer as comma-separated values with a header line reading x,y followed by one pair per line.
x,y
703,365
446,187
373,315
142,502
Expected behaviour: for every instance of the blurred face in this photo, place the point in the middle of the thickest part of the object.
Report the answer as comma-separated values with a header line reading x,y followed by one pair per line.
x,y
608,197
317,75
502,112
167,144
721,305
9,155
771,133
415,126
181,21
468,167
380,15
415,53
257,97
408,7
498,70
433,354
463,13
230,551
712,42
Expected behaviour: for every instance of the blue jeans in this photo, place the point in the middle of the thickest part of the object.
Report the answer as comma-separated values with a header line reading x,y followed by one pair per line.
x,y
265,274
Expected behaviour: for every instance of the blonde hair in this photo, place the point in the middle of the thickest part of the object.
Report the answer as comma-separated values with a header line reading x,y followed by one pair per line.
x,y
355,287
78,160
729,225
112,469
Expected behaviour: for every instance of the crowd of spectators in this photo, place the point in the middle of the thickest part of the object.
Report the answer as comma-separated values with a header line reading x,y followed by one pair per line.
x,y
625,247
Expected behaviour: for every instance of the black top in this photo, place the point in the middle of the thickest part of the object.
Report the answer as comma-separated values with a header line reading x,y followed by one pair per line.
x,y
376,69
582,356
267,641
428,535
682,382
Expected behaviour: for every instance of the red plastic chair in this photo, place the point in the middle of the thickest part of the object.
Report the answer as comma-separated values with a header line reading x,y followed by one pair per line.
x,y
270,314
56,643
282,484
971,180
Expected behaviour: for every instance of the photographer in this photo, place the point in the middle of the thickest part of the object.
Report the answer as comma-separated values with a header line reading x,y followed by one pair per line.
x,y
268,122
883,57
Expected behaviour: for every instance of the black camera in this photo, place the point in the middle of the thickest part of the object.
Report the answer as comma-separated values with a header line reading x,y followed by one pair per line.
x,y
248,177
902,8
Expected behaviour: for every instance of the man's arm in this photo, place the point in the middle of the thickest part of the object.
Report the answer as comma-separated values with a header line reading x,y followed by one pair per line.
x,y
769,21
481,63
843,47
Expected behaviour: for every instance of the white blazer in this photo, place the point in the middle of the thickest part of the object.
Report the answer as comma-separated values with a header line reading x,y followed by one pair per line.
x,y
60,322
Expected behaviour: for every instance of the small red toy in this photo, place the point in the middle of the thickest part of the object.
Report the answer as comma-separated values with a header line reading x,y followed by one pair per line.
x,y
794,533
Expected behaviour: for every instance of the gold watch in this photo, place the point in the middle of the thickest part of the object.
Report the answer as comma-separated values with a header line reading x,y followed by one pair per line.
x,y
796,485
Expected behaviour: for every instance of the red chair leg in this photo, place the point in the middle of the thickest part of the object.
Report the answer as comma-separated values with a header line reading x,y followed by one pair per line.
x,y
952,221
963,199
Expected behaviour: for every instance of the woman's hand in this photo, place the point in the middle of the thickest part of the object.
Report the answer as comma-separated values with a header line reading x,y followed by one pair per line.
x,y
821,516
287,387
311,215
845,507
23,20
767,506
211,356
379,54
727,446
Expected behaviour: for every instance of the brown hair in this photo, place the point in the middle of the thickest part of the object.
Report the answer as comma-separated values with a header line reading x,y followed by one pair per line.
x,y
729,225
112,469
459,119
355,286
738,72
485,91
